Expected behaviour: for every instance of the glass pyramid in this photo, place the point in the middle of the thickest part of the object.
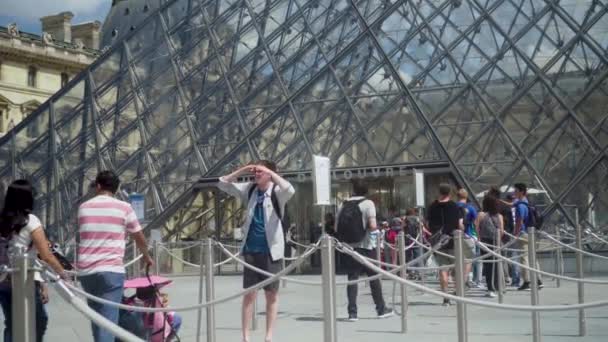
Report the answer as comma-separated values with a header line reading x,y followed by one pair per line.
x,y
500,90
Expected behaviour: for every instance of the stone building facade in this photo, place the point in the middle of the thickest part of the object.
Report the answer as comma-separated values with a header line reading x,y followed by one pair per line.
x,y
33,67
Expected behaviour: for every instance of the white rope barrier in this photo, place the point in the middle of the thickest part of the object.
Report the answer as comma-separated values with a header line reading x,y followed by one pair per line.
x,y
596,236
465,300
593,255
170,253
258,286
298,281
134,260
551,275
102,322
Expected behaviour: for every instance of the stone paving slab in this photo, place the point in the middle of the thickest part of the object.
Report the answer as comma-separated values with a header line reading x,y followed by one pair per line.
x,y
300,318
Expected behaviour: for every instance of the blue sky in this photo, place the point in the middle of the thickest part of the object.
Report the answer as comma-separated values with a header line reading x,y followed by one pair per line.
x,y
26,13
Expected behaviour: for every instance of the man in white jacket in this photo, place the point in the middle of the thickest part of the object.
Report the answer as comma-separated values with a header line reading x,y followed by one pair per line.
x,y
264,242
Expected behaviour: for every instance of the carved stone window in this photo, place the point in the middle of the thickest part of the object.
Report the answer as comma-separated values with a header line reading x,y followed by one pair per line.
x,y
64,79
32,74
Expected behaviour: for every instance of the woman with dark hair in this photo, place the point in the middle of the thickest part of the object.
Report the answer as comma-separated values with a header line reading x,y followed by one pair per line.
x,y
489,222
19,228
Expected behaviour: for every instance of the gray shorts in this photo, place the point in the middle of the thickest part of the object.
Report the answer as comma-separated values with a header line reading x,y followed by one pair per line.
x,y
264,262
443,260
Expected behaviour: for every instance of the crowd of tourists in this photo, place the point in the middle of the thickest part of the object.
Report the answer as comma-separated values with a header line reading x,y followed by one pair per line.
x,y
105,222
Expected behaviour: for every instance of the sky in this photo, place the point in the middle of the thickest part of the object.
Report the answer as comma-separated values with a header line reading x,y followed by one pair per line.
x,y
27,13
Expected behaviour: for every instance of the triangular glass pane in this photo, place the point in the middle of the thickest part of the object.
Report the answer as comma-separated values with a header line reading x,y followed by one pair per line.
x,y
540,195
561,155
590,196
487,159
532,116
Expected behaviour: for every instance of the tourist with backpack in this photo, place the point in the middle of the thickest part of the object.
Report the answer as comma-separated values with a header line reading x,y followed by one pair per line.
x,y
470,238
264,240
489,223
356,221
444,217
526,216
19,228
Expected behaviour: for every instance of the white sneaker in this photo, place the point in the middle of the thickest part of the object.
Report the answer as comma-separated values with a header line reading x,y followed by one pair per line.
x,y
491,294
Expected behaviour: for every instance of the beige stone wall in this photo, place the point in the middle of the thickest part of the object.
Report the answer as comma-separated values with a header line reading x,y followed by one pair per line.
x,y
20,52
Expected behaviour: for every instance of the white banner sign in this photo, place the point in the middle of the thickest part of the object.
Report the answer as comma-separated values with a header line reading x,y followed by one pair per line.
x,y
419,181
322,180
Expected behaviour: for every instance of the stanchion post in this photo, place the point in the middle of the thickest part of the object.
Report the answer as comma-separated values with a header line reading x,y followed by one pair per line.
x,y
329,289
461,309
23,299
135,264
499,268
420,249
558,258
580,273
533,283
283,281
75,260
403,273
379,247
209,290
156,258
254,317
201,283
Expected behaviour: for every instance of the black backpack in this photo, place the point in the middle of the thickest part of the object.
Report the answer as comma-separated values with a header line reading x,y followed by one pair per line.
x,y
350,222
412,226
534,219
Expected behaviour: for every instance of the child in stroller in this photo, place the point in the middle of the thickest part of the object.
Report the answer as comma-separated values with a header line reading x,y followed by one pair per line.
x,y
154,327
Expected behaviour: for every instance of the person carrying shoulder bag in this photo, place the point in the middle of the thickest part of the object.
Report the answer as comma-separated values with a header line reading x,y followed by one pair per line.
x,y
490,221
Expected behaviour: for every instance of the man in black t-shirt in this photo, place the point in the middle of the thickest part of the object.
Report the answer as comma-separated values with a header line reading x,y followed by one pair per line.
x,y
444,216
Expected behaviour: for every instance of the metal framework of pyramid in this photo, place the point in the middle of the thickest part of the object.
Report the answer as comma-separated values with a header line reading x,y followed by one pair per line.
x,y
501,90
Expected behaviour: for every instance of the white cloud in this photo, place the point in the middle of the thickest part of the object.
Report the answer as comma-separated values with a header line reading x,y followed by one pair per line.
x,y
39,8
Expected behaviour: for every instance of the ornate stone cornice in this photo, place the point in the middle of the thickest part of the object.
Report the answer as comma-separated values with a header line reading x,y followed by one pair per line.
x,y
45,55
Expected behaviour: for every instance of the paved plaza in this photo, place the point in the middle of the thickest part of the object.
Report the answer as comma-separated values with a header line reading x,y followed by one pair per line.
x,y
300,318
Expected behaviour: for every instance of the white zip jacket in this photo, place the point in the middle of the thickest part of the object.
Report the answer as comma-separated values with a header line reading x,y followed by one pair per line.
x,y
272,223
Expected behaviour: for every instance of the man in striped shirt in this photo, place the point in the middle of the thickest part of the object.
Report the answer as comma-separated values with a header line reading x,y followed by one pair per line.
x,y
104,222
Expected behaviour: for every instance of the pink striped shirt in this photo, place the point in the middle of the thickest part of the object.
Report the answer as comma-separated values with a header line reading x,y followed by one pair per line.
x,y
103,223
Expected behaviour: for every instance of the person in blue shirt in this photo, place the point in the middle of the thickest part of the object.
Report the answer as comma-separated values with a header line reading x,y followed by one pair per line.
x,y
522,211
470,215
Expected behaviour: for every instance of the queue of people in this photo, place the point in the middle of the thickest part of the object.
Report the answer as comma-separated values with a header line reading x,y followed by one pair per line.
x,y
499,213
104,223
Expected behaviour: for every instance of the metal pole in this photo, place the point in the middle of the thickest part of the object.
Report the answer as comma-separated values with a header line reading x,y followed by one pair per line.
x,y
23,299
156,258
580,273
75,260
200,291
558,258
283,281
498,268
420,249
210,291
461,309
329,289
135,264
533,283
254,318
403,273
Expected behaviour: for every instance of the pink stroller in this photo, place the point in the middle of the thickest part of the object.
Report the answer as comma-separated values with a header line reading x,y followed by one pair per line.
x,y
159,326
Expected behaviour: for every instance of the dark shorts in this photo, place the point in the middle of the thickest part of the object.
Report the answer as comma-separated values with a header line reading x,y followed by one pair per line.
x,y
263,262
